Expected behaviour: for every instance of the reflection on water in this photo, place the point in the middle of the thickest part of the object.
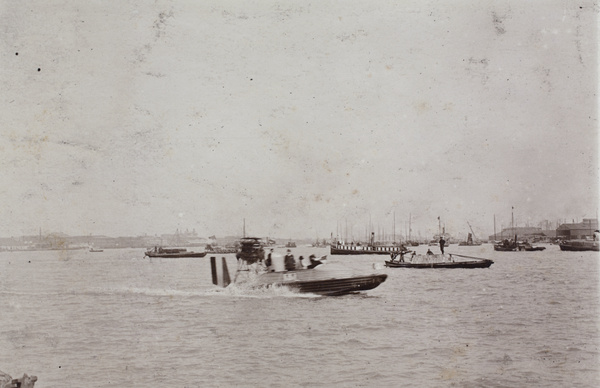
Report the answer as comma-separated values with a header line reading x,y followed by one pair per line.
x,y
80,319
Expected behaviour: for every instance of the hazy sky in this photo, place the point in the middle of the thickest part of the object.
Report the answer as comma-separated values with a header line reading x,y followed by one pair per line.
x,y
124,118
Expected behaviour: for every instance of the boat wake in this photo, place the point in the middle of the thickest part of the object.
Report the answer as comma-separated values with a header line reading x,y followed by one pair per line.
x,y
240,290
250,290
167,292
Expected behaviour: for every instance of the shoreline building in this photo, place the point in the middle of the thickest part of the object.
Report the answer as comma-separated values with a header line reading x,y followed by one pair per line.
x,y
522,232
583,230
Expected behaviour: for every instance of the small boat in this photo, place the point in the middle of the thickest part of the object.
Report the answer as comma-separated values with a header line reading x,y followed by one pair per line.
x,y
504,248
525,246
514,245
96,250
290,244
506,245
173,253
438,261
579,245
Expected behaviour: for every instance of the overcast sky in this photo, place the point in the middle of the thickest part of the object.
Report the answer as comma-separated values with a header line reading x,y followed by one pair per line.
x,y
123,118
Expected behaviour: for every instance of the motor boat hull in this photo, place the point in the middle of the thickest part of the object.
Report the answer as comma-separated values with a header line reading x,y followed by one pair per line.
x,y
321,282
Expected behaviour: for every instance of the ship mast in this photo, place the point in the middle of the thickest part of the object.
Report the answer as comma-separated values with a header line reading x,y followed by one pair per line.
x,y
394,228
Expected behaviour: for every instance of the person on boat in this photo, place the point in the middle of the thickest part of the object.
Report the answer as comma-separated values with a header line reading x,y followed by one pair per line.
x,y
404,250
305,262
313,262
269,261
442,243
290,263
429,252
396,255
400,255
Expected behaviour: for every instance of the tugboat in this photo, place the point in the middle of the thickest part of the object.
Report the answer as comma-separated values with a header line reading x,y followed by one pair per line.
x,y
526,246
470,241
506,245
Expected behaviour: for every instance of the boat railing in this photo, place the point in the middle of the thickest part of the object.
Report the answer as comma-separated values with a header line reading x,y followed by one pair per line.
x,y
375,248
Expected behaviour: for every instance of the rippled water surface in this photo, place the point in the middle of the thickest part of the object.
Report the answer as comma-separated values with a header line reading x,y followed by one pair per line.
x,y
82,319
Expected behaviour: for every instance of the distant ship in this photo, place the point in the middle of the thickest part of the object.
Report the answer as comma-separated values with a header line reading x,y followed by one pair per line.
x,y
371,248
358,249
173,253
469,242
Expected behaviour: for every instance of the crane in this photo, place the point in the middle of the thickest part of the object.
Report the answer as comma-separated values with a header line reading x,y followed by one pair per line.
x,y
471,229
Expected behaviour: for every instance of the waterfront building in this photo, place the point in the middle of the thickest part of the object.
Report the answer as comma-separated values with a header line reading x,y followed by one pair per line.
x,y
583,230
522,232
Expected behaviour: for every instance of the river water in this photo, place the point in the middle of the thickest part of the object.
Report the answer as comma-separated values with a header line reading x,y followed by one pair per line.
x,y
116,319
